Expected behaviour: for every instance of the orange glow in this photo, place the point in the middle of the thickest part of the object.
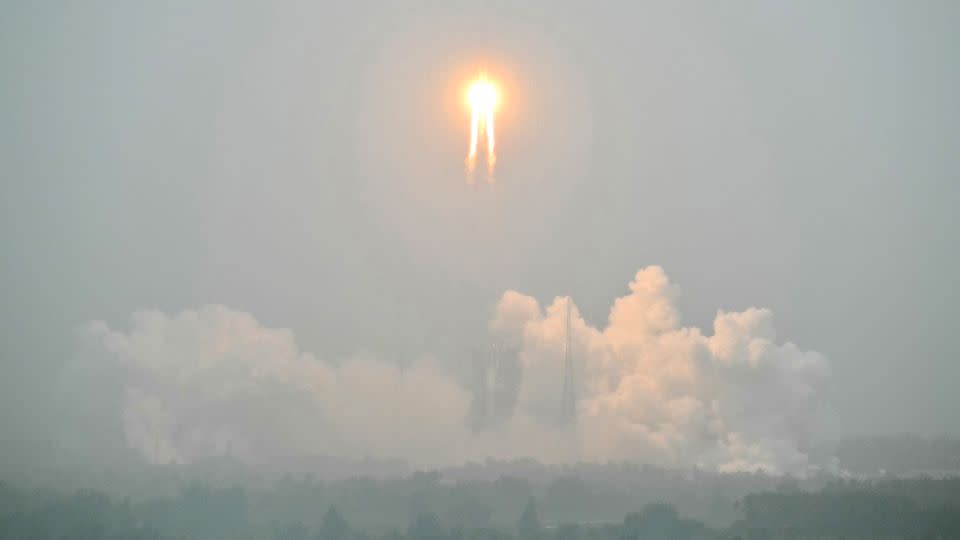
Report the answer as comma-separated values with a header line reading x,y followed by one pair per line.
x,y
482,99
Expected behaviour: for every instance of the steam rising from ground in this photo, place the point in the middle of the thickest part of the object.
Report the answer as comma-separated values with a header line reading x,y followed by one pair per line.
x,y
214,381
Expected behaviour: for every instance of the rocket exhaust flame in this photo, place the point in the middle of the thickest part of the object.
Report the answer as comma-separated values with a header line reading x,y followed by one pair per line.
x,y
482,98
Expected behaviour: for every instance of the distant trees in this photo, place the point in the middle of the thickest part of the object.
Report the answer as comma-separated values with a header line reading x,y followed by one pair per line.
x,y
529,526
292,531
333,526
568,531
886,508
856,514
211,513
82,516
466,510
902,454
568,497
659,521
425,527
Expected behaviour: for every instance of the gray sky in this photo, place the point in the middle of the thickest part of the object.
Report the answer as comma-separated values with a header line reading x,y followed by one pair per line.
x,y
304,163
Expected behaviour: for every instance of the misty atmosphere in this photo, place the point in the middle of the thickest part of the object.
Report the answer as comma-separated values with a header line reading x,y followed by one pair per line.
x,y
479,270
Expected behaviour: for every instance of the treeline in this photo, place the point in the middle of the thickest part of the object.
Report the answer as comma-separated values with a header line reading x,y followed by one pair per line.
x,y
420,507
218,514
846,515
475,495
884,508
903,454
376,497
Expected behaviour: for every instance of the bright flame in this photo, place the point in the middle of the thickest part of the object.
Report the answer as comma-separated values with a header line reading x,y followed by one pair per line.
x,y
482,98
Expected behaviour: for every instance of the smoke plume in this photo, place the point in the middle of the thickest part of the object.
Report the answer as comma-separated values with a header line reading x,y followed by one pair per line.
x,y
213,381
649,387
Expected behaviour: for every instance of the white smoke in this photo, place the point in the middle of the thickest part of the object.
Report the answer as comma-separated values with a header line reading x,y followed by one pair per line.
x,y
214,381
650,388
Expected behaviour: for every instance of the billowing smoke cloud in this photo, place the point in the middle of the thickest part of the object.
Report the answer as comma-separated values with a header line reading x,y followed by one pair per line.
x,y
215,382
649,387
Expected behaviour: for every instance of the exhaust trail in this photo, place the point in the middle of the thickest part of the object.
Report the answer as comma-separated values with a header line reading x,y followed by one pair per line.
x,y
482,98
491,143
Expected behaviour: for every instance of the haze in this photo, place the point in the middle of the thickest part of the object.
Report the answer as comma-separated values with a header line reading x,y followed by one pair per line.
x,y
286,181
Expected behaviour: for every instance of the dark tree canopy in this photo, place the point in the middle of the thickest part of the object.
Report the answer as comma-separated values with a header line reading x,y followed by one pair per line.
x,y
529,526
333,527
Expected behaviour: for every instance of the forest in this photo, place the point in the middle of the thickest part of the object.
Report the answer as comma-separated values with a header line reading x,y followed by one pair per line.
x,y
591,502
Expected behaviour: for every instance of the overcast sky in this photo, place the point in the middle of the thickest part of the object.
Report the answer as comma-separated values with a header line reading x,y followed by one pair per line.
x,y
304,163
